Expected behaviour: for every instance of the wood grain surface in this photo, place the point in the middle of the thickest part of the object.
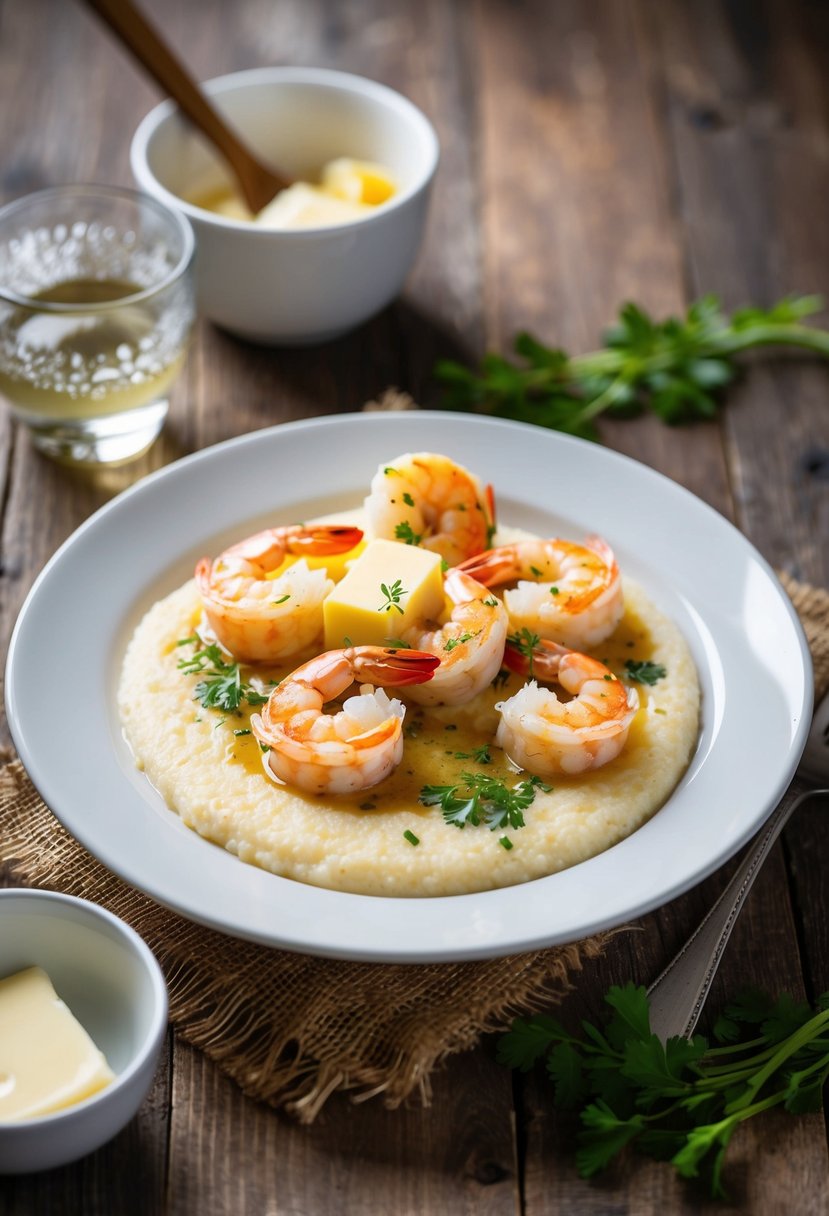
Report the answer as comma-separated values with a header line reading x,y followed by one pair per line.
x,y
592,151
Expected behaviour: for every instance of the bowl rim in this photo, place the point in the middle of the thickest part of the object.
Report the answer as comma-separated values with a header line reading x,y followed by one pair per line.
x,y
158,1021
325,78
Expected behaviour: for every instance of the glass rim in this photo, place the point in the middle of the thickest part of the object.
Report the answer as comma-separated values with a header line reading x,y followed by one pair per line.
x,y
139,197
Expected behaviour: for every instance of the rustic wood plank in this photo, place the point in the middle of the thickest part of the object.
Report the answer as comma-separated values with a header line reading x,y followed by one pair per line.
x,y
453,1157
747,104
577,198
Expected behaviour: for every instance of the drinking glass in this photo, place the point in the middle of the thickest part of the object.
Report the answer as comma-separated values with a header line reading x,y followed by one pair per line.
x,y
96,306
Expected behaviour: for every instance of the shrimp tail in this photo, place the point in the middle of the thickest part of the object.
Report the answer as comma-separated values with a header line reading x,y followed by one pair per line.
x,y
393,667
542,663
321,540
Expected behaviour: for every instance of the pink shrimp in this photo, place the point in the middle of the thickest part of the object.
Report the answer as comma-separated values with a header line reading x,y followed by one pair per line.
x,y
545,735
569,593
257,617
354,748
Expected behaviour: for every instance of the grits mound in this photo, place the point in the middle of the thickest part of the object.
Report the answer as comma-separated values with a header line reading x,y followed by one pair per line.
x,y
215,780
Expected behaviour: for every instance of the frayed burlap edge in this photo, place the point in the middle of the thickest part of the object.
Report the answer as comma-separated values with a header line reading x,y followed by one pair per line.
x,y
290,1029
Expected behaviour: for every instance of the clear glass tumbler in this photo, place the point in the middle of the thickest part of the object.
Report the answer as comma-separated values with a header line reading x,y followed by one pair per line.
x,y
96,307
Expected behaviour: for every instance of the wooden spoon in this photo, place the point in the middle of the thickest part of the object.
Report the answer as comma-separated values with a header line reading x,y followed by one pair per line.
x,y
257,182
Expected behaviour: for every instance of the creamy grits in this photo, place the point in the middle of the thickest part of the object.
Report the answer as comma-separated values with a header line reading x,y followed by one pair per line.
x,y
215,778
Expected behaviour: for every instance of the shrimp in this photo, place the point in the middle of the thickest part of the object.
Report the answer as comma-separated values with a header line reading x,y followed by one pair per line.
x,y
470,645
428,500
349,750
260,618
545,735
569,593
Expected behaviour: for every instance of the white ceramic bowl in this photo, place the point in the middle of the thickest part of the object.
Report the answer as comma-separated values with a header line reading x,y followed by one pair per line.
x,y
113,985
306,285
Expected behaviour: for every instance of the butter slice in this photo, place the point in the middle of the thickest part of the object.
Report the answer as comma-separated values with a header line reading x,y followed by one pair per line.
x,y
47,1060
358,613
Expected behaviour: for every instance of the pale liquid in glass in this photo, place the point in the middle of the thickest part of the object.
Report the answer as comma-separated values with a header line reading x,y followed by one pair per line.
x,y
79,366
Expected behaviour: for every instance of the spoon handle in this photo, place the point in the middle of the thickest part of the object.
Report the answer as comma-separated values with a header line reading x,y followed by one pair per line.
x,y
258,183
678,995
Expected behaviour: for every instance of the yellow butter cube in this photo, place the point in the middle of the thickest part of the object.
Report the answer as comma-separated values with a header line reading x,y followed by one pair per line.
x,y
358,181
47,1060
387,590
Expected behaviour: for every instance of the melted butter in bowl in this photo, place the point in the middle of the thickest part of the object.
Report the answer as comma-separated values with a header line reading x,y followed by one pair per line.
x,y
348,190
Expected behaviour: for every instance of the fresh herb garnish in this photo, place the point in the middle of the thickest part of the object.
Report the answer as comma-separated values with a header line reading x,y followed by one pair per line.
x,y
674,368
491,603
680,1102
525,642
405,532
644,672
223,686
396,644
393,596
478,798
410,836
283,599
407,498
505,843
451,643
481,755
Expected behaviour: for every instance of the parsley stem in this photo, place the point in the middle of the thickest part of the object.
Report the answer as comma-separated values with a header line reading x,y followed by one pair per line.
x,y
789,1047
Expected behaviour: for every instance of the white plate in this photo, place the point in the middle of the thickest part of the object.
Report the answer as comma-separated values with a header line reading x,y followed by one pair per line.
x,y
67,648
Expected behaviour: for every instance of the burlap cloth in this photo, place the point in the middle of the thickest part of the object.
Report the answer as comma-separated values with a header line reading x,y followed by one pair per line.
x,y
289,1029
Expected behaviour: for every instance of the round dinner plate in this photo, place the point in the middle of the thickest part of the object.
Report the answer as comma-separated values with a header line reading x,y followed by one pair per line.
x,y
69,642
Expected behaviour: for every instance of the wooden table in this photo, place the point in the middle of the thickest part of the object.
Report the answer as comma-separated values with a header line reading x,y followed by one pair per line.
x,y
592,152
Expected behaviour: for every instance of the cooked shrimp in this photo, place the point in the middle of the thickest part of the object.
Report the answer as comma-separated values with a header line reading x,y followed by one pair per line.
x,y
425,499
349,750
569,593
470,645
260,618
545,735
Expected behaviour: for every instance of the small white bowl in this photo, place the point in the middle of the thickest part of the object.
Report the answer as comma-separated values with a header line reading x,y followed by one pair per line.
x,y
305,285
113,985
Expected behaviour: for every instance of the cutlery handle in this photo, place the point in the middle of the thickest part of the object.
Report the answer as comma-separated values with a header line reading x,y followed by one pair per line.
x,y
678,995
156,57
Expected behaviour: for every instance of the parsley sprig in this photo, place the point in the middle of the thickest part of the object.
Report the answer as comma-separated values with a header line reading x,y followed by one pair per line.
x,y
223,686
478,798
675,368
392,596
683,1101
644,671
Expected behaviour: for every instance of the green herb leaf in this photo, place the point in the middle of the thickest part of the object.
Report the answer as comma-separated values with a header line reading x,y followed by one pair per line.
x,y
676,367
644,672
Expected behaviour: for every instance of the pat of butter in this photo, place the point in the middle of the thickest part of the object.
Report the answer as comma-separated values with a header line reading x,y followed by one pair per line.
x,y
304,206
360,611
47,1060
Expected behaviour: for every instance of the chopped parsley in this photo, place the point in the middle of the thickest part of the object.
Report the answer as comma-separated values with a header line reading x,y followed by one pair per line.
x,y
282,600
405,532
491,603
554,591
480,799
525,642
223,686
451,643
393,596
396,644
505,843
410,836
644,672
407,498
480,755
